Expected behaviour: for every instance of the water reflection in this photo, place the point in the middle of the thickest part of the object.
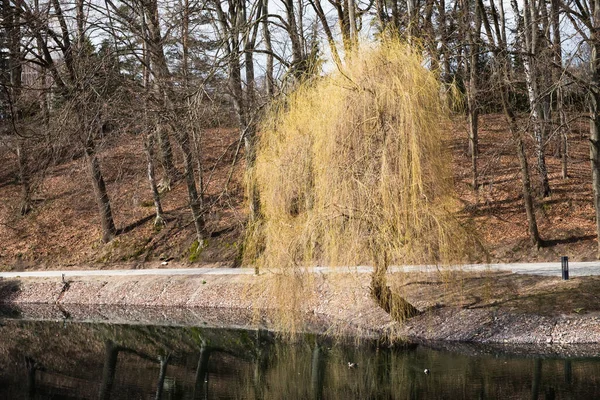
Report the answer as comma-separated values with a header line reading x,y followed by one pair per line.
x,y
41,360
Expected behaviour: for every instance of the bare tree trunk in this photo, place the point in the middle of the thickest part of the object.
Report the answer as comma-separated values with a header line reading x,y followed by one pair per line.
x,y
24,177
163,77
166,151
298,67
106,219
149,147
531,35
595,116
500,54
316,4
164,364
155,50
12,18
201,381
352,25
398,308
526,183
270,82
381,14
412,9
195,202
159,220
250,126
562,118
471,89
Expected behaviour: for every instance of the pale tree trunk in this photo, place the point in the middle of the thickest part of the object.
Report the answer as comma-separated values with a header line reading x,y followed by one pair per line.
x,y
381,14
395,15
595,115
298,67
149,147
154,47
149,142
352,25
412,9
530,33
190,108
430,38
45,92
250,110
232,30
562,118
316,4
341,7
471,88
164,364
201,381
270,81
196,206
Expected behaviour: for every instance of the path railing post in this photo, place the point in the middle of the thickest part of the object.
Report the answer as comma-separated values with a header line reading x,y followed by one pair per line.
x,y
564,262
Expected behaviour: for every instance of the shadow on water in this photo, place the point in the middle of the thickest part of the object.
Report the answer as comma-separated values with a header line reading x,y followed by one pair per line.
x,y
43,359
8,289
9,311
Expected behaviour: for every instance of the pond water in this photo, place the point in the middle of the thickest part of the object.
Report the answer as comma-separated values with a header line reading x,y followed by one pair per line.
x,y
68,360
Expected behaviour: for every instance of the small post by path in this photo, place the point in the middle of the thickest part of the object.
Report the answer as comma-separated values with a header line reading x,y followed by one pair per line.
x,y
564,262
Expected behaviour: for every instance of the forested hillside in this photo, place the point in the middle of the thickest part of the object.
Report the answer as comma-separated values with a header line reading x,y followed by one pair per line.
x,y
127,128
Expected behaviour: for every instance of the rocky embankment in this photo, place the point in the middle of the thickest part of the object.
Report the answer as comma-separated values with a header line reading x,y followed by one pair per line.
x,y
336,304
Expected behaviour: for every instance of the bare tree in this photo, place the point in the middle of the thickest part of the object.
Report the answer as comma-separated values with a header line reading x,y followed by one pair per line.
x,y
500,51
530,30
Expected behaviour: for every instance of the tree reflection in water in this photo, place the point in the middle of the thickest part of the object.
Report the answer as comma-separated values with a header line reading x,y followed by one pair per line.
x,y
43,360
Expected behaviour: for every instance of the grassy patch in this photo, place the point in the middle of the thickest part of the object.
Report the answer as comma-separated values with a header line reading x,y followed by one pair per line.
x,y
196,250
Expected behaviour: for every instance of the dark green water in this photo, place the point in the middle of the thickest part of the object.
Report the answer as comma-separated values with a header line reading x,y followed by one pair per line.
x,y
47,360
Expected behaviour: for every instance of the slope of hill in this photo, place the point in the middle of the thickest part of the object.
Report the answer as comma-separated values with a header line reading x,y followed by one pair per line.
x,y
63,228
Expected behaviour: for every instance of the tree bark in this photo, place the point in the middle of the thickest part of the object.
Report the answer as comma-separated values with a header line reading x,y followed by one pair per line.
x,y
194,200
102,200
160,71
12,18
163,77
24,176
270,82
595,127
562,118
164,364
532,75
471,89
201,381
149,147
392,303
500,57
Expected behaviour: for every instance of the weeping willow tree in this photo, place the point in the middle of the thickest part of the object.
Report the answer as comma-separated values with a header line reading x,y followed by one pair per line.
x,y
351,169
